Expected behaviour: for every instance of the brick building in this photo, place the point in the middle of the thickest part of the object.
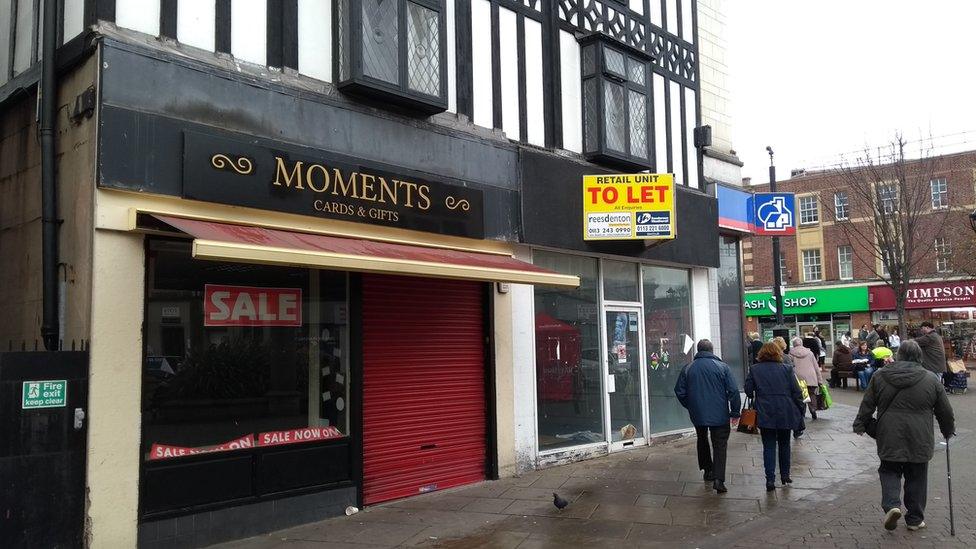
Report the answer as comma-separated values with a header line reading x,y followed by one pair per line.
x,y
832,270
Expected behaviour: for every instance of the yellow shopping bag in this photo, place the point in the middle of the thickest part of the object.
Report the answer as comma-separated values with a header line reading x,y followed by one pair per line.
x,y
804,389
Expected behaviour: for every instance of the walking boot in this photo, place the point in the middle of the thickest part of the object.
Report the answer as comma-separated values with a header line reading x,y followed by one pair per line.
x,y
719,486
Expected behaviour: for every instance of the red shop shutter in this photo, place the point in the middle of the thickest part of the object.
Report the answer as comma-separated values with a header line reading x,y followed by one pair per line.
x,y
423,386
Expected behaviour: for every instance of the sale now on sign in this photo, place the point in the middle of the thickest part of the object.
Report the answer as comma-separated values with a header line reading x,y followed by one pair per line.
x,y
251,306
628,207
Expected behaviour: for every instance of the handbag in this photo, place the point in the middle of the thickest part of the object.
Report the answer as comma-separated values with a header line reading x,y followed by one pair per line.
x,y
804,389
825,395
748,418
871,424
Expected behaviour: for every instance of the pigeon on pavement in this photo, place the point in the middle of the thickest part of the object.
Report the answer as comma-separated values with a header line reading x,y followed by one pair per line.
x,y
559,502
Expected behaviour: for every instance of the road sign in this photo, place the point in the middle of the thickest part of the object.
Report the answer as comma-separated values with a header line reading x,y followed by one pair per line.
x,y
44,394
773,214
628,207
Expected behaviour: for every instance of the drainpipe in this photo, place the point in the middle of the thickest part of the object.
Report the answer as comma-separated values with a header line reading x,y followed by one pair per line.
x,y
49,204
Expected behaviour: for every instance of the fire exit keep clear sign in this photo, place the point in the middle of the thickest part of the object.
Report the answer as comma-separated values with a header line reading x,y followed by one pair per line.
x,y
45,394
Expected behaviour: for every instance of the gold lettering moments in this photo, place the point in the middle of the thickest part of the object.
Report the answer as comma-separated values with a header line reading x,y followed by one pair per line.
x,y
360,186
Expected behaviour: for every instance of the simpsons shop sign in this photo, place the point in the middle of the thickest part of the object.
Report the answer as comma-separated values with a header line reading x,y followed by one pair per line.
x,y
824,300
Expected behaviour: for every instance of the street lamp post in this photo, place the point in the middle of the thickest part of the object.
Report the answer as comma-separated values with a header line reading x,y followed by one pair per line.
x,y
780,329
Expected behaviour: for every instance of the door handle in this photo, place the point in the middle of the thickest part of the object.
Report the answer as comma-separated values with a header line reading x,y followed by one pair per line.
x,y
79,418
428,446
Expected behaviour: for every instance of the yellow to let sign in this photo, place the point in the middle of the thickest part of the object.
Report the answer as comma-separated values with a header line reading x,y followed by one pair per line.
x,y
628,207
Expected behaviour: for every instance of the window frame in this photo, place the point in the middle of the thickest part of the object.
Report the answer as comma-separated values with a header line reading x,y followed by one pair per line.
x,y
850,262
846,206
354,80
807,268
601,152
782,263
943,193
816,209
891,190
943,255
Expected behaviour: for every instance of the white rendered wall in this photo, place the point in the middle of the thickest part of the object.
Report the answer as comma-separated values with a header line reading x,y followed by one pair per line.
x,y
569,54
315,39
523,354
249,30
534,108
138,15
451,56
195,24
509,60
701,304
481,63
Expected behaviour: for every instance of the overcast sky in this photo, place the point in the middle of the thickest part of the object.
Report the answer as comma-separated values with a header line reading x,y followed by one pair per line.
x,y
816,79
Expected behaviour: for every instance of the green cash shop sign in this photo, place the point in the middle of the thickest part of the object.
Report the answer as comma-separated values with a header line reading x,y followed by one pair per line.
x,y
802,301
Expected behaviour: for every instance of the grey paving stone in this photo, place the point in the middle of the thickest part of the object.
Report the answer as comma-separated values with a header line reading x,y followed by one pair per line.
x,y
631,513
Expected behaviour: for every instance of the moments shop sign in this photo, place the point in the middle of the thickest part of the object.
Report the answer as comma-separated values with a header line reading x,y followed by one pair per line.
x,y
812,301
323,184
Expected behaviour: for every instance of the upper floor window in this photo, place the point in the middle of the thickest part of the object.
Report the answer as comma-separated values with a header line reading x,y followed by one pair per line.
x,y
887,198
940,193
615,103
782,263
808,210
845,262
841,206
394,50
812,270
943,250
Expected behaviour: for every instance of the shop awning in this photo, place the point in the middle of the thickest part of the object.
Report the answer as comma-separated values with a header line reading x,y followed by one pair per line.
x,y
250,244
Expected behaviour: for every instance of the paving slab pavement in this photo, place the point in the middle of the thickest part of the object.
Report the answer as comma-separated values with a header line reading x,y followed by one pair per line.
x,y
655,497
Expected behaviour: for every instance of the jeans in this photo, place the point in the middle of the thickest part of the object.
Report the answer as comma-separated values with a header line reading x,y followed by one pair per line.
x,y
771,440
916,488
720,442
864,376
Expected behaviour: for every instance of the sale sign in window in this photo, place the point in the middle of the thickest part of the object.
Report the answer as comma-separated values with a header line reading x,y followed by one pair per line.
x,y
251,306
628,207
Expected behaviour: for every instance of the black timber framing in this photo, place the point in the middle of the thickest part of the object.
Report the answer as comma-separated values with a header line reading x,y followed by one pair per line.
x,y
464,73
282,26
496,70
552,105
520,48
222,26
168,14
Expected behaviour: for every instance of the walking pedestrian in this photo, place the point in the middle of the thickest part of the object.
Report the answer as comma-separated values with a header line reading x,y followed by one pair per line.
x,y
933,350
906,397
779,407
707,389
754,345
781,343
807,369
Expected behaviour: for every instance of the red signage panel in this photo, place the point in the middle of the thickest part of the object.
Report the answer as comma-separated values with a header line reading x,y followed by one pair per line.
x,y
167,451
294,436
251,306
929,295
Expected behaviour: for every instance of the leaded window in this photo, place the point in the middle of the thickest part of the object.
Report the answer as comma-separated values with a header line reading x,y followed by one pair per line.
x,y
393,50
616,84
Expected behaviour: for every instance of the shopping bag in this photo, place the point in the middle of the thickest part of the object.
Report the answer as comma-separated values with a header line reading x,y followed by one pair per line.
x,y
748,419
957,366
827,400
804,390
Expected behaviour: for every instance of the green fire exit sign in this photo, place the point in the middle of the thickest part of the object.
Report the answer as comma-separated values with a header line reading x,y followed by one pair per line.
x,y
45,394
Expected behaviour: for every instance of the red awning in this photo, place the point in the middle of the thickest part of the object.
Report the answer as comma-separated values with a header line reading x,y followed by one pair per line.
x,y
250,244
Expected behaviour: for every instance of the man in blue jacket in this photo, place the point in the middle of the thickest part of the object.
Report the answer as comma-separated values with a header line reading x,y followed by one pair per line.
x,y
706,388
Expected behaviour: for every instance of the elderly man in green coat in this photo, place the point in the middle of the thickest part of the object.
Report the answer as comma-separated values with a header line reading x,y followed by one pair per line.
x,y
906,396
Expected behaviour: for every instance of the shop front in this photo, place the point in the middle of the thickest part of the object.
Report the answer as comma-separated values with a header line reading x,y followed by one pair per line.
x,y
316,330
607,353
834,311
950,305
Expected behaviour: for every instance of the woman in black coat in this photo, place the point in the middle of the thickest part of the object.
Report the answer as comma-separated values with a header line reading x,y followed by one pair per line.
x,y
779,402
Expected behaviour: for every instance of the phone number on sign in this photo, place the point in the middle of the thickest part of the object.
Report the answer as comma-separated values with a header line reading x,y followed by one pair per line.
x,y
608,231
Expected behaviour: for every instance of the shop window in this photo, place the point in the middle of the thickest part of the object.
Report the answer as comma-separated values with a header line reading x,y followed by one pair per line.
x,y
616,84
241,356
569,369
845,262
841,206
667,320
393,50
730,306
943,250
811,266
809,213
940,193
621,281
